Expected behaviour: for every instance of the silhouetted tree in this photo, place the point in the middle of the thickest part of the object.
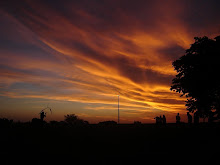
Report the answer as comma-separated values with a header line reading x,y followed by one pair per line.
x,y
72,119
197,76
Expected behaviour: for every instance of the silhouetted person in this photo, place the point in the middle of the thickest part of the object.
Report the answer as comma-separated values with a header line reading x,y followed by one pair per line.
x,y
160,120
189,118
42,115
196,118
178,118
164,120
157,120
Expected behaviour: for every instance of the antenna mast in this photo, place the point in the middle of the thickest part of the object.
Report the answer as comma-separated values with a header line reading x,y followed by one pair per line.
x,y
118,109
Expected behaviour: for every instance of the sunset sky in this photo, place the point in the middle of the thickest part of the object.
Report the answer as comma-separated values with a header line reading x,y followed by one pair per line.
x,y
78,55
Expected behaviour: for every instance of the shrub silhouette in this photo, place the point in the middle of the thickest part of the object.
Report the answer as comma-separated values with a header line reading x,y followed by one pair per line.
x,y
37,123
108,123
72,119
5,123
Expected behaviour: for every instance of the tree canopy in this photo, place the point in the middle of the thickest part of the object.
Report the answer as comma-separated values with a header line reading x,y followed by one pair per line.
x,y
198,76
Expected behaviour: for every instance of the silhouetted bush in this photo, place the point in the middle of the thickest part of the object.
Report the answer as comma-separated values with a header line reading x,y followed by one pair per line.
x,y
108,123
137,123
54,123
5,123
37,123
73,120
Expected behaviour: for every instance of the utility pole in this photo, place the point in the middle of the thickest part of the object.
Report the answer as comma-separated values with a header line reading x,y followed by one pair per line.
x,y
118,109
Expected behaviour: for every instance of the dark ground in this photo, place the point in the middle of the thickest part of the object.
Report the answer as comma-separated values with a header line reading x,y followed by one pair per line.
x,y
120,144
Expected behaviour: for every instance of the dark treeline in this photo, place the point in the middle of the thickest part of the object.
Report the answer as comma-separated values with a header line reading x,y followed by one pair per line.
x,y
107,143
69,121
80,123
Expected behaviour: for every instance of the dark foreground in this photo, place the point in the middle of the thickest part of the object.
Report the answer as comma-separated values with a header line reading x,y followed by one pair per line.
x,y
121,144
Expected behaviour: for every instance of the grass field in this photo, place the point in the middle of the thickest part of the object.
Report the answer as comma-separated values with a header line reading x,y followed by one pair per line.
x,y
120,144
